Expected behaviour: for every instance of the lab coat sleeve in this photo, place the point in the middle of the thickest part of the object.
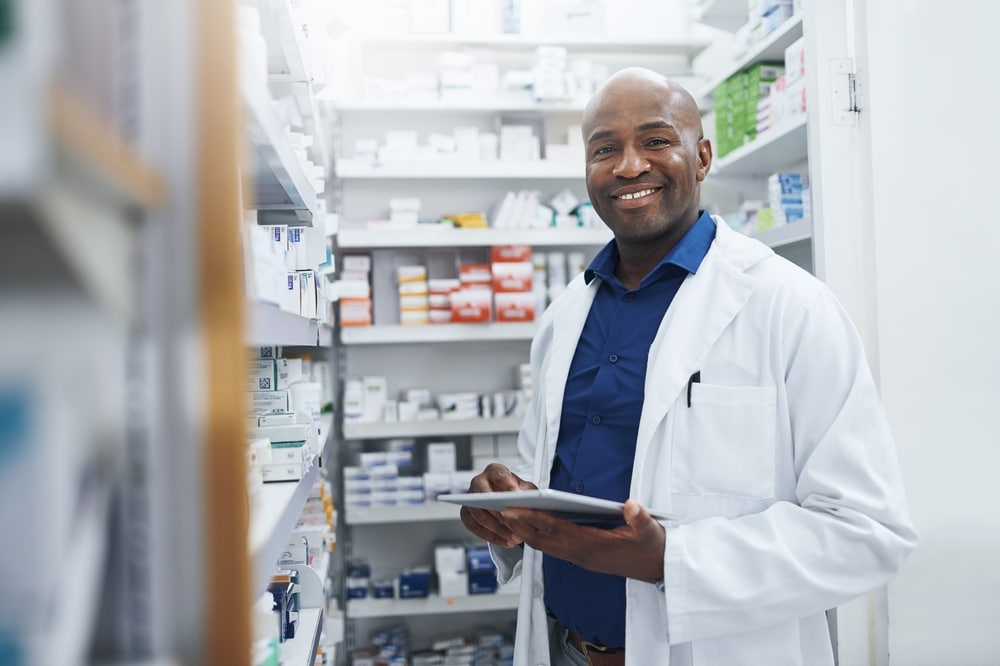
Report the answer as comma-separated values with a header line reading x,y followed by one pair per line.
x,y
508,560
848,530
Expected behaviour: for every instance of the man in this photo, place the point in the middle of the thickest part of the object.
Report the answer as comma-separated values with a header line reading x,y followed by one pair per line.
x,y
693,371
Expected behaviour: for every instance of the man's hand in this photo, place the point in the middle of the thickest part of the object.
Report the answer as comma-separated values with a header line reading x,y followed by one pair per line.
x,y
633,550
485,524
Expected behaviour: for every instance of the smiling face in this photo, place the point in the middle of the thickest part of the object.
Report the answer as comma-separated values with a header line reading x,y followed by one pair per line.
x,y
645,160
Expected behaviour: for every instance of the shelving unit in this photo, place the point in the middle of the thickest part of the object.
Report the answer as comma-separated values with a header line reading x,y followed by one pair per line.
x,y
726,15
413,513
772,48
450,169
438,428
267,324
398,334
769,152
443,236
280,182
576,43
788,234
280,505
301,650
478,105
434,605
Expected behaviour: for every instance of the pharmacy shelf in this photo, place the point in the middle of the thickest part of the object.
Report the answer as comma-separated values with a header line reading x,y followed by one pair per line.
x,y
436,428
476,603
450,333
268,324
410,513
289,72
280,180
78,582
301,650
278,508
728,15
98,156
771,49
770,152
577,43
794,232
351,168
439,235
478,105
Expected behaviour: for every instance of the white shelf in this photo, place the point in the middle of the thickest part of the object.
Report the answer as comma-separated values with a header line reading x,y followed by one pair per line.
x,y
728,15
478,105
439,427
398,334
411,513
771,49
350,168
360,608
595,44
301,650
769,152
786,234
270,325
280,181
278,508
78,582
444,236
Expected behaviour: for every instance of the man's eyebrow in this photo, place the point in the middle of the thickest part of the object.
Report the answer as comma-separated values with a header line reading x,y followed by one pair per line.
x,y
597,136
645,127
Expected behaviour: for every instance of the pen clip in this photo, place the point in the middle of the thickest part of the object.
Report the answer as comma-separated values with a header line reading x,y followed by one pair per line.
x,y
695,379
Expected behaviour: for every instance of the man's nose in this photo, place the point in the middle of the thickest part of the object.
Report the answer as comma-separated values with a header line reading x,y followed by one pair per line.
x,y
631,164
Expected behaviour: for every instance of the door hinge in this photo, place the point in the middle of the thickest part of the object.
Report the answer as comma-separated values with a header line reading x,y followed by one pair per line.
x,y
844,81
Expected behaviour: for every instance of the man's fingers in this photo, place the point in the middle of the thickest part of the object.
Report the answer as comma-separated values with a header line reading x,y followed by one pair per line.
x,y
488,526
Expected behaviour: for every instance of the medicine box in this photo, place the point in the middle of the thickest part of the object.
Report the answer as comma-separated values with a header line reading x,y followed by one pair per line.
x,y
269,401
441,458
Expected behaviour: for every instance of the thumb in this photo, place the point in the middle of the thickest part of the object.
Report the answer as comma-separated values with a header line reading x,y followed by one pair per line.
x,y
635,515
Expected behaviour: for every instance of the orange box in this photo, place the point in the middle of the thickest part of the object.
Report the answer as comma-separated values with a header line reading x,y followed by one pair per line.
x,y
512,276
501,253
475,274
515,306
471,306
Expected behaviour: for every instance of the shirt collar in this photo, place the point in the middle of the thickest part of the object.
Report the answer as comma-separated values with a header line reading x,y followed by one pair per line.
x,y
688,254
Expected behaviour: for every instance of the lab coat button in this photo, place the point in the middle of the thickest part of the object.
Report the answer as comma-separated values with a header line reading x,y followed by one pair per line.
x,y
536,590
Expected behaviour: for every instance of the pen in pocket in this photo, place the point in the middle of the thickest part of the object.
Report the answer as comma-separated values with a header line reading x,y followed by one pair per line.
x,y
695,379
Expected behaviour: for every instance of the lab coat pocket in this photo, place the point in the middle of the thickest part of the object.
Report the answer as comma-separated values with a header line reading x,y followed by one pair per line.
x,y
724,441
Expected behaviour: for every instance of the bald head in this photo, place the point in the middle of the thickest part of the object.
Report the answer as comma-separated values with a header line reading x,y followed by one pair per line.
x,y
637,85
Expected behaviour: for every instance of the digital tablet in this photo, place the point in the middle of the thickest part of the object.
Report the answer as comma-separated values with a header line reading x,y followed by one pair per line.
x,y
578,508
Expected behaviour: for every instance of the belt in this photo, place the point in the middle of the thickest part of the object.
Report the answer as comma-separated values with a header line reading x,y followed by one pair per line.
x,y
597,654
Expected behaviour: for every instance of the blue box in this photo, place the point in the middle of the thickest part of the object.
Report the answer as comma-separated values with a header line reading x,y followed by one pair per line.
x,y
479,560
415,584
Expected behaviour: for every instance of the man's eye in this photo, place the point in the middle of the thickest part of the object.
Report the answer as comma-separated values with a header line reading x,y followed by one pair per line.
x,y
657,142
603,150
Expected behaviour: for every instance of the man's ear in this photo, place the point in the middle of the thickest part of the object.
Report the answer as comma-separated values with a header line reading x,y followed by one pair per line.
x,y
704,158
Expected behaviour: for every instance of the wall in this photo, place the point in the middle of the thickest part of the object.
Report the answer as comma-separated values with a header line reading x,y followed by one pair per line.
x,y
933,142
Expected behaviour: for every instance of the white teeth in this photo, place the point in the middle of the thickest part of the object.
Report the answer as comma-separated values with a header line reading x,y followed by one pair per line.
x,y
636,195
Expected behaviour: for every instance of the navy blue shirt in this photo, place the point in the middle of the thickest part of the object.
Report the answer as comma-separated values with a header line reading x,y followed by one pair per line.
x,y
600,418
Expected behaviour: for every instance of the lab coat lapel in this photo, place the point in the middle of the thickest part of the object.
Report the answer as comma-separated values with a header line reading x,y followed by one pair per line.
x,y
567,327
702,309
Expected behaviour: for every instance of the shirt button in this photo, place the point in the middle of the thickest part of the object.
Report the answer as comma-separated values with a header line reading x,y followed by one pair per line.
x,y
596,420
578,487
629,297
613,358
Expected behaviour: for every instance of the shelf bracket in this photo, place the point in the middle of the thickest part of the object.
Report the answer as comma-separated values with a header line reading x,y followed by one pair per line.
x,y
844,91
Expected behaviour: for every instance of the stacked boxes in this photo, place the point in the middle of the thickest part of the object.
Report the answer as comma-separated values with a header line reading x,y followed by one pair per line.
x,y
439,299
788,194
765,16
414,305
736,101
512,270
354,290
473,302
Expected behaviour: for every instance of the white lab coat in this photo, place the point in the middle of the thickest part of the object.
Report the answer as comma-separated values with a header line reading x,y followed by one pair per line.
x,y
783,470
